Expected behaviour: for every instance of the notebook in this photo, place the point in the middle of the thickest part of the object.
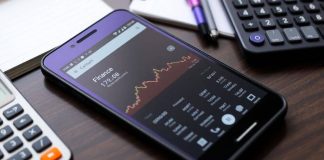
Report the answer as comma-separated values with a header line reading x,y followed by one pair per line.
x,y
178,12
29,28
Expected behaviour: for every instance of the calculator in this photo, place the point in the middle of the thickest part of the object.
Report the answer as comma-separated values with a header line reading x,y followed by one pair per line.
x,y
23,133
268,28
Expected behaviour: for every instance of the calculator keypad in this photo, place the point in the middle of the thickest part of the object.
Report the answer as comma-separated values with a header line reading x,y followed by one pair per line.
x,y
278,25
24,135
14,145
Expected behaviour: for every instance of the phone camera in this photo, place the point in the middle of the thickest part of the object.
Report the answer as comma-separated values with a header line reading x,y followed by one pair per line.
x,y
170,48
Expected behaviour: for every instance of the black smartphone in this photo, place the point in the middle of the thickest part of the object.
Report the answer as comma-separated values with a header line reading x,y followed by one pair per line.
x,y
185,100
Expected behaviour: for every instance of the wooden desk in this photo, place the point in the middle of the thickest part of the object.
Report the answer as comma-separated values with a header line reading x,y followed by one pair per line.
x,y
91,135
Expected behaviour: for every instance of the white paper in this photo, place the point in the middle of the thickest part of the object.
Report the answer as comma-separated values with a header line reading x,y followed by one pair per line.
x,y
223,23
29,28
178,12
170,11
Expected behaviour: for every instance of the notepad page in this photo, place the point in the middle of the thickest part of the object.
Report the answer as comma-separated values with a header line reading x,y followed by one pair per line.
x,y
29,28
221,19
178,12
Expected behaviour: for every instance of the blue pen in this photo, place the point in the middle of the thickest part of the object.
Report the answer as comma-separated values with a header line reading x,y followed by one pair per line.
x,y
199,16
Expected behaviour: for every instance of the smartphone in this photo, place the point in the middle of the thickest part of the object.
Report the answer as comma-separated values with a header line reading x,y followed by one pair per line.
x,y
187,101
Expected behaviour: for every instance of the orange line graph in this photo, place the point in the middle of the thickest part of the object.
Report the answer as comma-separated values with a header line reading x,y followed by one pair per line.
x,y
144,84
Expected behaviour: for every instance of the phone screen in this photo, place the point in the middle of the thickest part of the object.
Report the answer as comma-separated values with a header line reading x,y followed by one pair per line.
x,y
184,99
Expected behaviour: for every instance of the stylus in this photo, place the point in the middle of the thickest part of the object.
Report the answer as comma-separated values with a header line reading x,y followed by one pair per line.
x,y
213,32
199,16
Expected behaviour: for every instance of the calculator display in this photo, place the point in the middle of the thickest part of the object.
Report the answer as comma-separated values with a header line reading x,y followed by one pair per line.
x,y
5,95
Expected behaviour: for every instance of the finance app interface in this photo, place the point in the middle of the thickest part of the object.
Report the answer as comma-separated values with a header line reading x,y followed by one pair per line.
x,y
184,99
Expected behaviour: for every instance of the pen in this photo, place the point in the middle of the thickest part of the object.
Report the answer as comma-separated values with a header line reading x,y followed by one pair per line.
x,y
213,32
199,16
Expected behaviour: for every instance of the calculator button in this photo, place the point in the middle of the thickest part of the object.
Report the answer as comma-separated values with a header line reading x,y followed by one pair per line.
x,y
23,122
312,8
262,12
279,11
292,35
309,33
250,25
274,2
5,132
257,3
13,144
284,22
257,38
318,18
52,154
13,111
22,155
301,20
32,133
240,3
245,14
295,9
274,37
42,144
268,23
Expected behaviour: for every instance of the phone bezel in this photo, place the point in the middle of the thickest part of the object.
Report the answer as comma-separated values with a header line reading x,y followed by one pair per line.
x,y
53,62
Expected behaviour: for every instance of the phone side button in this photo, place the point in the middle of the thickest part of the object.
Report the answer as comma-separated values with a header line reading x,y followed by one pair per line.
x,y
246,132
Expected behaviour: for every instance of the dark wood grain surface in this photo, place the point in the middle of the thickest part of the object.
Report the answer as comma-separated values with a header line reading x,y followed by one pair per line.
x,y
91,135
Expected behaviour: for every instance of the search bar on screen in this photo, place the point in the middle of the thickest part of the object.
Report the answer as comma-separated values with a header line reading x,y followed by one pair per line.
x,y
106,50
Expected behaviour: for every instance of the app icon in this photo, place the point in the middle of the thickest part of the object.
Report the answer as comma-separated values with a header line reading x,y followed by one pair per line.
x,y
170,48
202,142
228,119
251,97
215,130
239,108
